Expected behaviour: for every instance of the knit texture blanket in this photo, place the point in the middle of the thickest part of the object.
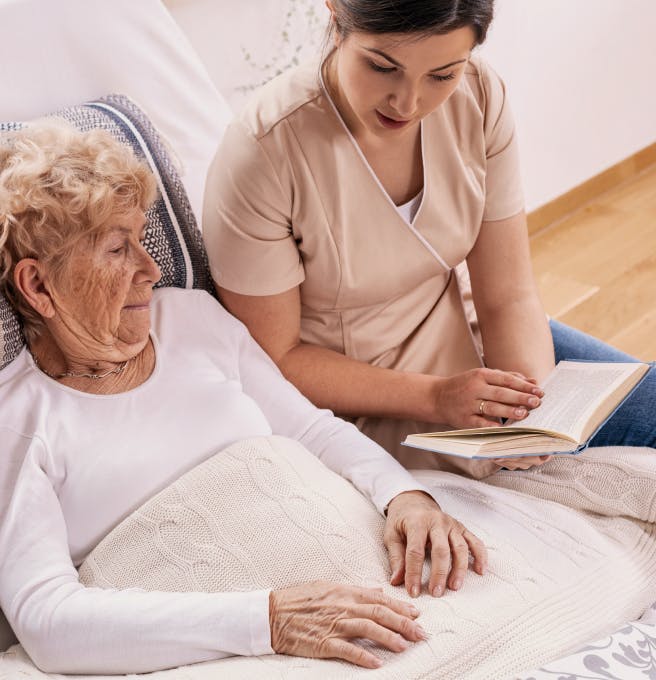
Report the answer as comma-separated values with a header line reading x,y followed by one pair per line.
x,y
572,556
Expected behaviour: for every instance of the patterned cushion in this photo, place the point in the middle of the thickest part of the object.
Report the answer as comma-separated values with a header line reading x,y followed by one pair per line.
x,y
172,235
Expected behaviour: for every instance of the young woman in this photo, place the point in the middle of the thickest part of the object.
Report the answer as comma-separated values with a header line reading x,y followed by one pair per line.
x,y
339,205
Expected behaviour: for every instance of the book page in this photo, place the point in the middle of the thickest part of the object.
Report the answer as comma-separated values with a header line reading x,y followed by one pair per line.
x,y
572,394
492,446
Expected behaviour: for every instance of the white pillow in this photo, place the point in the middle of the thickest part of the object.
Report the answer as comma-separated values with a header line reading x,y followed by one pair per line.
x,y
259,39
57,54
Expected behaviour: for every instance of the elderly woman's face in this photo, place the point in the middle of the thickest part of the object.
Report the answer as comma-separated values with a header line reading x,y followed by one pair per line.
x,y
103,297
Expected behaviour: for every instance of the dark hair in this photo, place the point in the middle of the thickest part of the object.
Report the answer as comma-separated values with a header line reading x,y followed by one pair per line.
x,y
427,17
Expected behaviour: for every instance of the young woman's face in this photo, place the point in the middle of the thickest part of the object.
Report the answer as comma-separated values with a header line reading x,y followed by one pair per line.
x,y
388,82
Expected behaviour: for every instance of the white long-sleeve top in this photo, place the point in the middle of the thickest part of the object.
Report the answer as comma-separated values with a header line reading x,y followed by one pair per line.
x,y
89,460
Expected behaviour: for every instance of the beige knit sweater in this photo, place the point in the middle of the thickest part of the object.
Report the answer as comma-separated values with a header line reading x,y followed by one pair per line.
x,y
572,556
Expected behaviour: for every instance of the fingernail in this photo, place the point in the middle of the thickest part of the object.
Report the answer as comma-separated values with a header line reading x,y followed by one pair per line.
x,y
437,591
377,663
520,412
413,610
533,401
402,642
538,392
421,633
414,591
457,584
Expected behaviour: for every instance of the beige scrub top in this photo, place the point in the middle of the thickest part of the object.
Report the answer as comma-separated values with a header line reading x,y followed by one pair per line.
x,y
291,200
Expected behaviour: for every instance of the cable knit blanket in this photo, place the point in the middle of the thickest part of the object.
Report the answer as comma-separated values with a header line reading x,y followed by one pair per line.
x,y
572,556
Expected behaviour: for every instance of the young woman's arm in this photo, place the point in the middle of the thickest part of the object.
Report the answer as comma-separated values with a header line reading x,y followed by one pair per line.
x,y
514,327
350,387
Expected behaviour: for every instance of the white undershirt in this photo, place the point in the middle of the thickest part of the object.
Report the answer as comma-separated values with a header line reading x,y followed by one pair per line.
x,y
90,460
409,210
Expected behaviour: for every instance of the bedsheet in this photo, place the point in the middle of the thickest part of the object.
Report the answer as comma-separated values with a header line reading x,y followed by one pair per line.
x,y
627,654
554,547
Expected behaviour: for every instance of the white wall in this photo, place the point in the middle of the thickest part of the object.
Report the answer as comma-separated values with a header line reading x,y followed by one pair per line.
x,y
581,73
582,81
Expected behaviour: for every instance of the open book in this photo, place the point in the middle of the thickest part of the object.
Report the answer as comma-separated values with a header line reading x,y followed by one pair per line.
x,y
579,397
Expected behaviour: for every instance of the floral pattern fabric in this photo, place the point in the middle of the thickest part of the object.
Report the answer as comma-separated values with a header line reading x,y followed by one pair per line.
x,y
628,654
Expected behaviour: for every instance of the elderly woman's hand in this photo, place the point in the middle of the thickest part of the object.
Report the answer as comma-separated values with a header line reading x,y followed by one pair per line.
x,y
321,619
415,522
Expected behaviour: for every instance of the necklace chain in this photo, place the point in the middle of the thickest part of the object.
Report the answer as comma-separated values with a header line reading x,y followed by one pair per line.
x,y
93,376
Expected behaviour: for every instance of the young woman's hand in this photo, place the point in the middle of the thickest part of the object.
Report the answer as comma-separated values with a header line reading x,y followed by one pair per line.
x,y
481,396
416,524
321,619
523,463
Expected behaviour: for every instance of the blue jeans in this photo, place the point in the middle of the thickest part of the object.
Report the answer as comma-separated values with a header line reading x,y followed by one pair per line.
x,y
634,423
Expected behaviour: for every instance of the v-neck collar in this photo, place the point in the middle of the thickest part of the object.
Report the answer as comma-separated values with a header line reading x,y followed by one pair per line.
x,y
411,225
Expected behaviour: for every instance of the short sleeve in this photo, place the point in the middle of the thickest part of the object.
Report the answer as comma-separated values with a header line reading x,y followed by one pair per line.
x,y
504,196
247,219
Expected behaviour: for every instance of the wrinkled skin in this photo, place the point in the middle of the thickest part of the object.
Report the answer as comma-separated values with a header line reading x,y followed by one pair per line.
x,y
104,301
97,311
321,619
416,524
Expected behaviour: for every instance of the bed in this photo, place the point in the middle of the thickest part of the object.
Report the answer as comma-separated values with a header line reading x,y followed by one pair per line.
x,y
57,56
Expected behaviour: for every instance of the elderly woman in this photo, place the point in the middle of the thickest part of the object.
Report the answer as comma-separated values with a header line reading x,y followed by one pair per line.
x,y
122,389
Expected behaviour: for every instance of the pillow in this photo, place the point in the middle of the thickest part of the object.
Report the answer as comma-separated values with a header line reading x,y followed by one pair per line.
x,y
172,236
58,54
285,33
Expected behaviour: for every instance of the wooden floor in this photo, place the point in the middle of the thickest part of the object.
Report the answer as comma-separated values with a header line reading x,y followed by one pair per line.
x,y
596,269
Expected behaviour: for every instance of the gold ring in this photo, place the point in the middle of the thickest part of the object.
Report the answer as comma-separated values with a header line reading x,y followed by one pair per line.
x,y
481,408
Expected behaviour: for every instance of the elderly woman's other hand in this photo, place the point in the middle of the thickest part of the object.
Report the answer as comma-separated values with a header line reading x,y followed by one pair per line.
x,y
321,619
416,523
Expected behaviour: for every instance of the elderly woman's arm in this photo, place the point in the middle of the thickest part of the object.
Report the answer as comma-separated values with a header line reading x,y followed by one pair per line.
x,y
415,521
67,628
